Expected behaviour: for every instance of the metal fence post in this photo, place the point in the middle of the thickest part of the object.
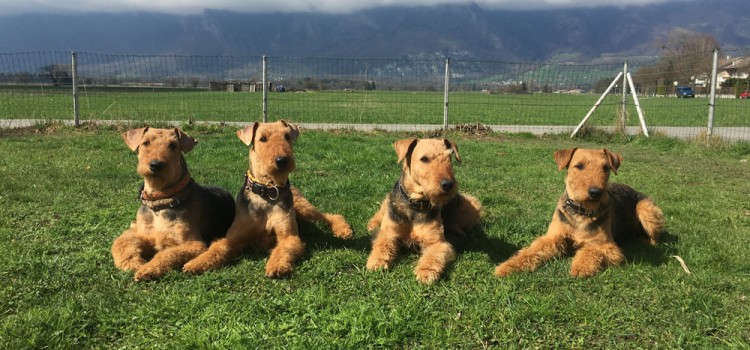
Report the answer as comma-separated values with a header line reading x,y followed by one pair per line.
x,y
712,98
74,71
624,115
265,88
445,96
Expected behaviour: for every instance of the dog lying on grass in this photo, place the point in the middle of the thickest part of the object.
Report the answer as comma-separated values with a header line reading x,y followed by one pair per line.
x,y
590,217
178,217
268,206
423,204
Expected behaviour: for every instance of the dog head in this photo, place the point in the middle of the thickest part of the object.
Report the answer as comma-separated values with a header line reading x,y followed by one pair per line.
x,y
588,173
427,168
271,152
160,160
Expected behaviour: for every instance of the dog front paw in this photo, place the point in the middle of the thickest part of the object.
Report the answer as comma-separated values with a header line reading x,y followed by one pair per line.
x,y
343,231
584,270
133,263
148,273
427,275
503,270
278,270
194,267
374,264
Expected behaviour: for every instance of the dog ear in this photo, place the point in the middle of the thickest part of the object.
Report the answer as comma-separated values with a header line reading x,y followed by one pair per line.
x,y
563,157
133,137
452,146
247,134
187,143
294,127
614,160
404,148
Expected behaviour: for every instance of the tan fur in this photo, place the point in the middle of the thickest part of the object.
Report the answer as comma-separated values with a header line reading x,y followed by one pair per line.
x,y
264,224
593,238
426,164
156,242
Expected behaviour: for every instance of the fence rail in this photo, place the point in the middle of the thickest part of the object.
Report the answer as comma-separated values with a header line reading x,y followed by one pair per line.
x,y
426,93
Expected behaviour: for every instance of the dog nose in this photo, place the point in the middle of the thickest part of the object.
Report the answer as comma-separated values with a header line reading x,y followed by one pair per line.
x,y
156,165
595,192
446,185
281,162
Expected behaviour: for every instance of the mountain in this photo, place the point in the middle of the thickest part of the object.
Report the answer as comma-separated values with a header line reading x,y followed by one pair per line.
x,y
389,32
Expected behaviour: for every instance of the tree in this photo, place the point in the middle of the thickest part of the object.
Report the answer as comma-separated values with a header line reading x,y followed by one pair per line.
x,y
194,82
57,73
685,55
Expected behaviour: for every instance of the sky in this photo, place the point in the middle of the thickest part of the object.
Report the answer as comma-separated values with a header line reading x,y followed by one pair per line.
x,y
187,7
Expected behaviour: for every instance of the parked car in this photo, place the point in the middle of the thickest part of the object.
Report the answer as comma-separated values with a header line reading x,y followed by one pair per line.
x,y
685,92
744,94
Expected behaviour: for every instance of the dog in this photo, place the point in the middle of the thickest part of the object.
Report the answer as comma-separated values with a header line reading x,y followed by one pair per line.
x,y
591,216
267,206
177,217
422,205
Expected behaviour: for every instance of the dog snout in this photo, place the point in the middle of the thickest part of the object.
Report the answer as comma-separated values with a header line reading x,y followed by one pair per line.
x,y
446,184
156,165
281,162
595,192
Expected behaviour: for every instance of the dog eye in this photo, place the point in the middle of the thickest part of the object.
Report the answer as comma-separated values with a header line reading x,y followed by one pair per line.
x,y
263,139
146,143
424,159
579,166
606,168
172,146
287,137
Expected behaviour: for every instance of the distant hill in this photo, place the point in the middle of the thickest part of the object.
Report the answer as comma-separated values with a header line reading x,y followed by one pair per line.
x,y
465,31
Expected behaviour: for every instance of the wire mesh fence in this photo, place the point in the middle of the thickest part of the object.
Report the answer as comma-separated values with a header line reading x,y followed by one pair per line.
x,y
410,93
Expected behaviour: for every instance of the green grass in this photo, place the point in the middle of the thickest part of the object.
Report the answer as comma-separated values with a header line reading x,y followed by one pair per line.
x,y
67,194
381,107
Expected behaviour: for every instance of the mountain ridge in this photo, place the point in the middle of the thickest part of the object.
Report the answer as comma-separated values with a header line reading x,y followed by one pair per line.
x,y
446,30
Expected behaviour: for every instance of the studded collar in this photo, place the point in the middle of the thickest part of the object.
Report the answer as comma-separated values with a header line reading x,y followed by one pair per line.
x,y
268,191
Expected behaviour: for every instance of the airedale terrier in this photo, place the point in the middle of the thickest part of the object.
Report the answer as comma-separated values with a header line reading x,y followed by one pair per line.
x,y
268,205
178,217
591,216
423,204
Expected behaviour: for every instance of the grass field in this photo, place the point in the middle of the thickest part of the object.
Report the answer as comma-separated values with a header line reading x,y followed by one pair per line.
x,y
374,107
66,194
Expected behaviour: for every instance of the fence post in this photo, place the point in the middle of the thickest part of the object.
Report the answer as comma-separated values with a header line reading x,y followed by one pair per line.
x,y
712,98
445,95
74,71
265,88
624,115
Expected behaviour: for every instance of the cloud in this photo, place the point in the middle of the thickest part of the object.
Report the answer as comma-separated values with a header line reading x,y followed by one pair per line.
x,y
186,7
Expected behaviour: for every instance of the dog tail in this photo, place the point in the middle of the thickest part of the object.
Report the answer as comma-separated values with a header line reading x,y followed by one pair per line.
x,y
652,219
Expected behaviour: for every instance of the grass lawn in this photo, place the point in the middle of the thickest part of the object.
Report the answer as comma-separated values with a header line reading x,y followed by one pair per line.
x,y
371,107
66,194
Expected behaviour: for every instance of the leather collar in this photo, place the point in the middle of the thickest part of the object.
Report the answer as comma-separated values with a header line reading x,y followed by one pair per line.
x,y
574,207
418,205
265,190
171,197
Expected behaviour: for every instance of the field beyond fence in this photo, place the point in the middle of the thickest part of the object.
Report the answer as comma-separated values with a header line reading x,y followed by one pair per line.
x,y
431,92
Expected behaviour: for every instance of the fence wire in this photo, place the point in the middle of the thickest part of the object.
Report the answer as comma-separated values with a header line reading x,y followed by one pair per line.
x,y
377,92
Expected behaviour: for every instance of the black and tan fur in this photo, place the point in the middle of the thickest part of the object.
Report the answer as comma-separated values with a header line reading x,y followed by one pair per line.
x,y
178,218
268,206
423,204
591,216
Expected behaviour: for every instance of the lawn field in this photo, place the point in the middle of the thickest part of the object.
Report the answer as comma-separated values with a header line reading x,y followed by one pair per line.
x,y
66,194
369,107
